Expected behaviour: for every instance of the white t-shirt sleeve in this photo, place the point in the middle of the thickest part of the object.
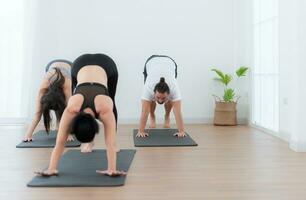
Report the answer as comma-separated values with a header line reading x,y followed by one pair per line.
x,y
175,93
147,93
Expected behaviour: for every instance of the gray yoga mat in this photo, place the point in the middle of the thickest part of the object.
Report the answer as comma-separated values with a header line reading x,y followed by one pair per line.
x,y
43,140
162,138
78,169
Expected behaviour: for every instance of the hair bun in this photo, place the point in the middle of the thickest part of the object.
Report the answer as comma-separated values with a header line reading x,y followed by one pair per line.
x,y
162,80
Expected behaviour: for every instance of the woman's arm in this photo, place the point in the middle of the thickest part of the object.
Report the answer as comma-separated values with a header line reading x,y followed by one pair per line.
x,y
62,136
145,110
104,107
38,112
70,112
178,119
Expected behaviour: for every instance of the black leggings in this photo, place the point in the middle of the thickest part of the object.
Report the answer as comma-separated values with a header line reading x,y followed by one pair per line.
x,y
57,60
107,64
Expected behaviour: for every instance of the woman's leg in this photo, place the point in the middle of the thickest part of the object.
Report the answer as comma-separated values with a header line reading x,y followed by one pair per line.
x,y
75,67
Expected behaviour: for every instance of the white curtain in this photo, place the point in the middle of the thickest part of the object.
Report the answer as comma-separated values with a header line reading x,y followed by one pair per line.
x,y
265,108
14,72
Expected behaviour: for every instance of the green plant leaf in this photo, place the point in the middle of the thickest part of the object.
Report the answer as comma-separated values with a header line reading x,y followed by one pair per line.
x,y
224,78
219,73
242,71
229,95
227,79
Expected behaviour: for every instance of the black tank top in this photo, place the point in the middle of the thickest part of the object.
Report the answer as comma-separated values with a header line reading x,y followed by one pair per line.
x,y
89,91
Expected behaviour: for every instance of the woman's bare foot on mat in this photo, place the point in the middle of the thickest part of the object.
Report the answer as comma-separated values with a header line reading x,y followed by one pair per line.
x,y
87,147
111,173
70,138
47,173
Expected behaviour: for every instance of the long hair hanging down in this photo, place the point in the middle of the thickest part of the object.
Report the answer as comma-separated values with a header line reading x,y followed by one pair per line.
x,y
53,99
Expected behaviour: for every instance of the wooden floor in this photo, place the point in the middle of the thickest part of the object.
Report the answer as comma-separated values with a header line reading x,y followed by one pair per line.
x,y
232,163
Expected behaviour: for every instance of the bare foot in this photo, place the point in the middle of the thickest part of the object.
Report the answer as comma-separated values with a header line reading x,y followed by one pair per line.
x,y
167,122
152,122
47,173
111,173
70,138
87,147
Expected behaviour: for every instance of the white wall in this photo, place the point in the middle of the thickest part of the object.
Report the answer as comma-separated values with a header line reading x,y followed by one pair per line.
x,y
198,34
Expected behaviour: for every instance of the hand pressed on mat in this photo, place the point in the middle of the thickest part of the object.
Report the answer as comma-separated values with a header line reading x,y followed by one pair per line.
x,y
180,134
27,139
142,134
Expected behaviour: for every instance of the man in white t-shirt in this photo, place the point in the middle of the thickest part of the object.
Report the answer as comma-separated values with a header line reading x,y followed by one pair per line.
x,y
160,86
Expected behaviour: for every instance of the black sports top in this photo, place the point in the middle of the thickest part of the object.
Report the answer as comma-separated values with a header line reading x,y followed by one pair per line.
x,y
90,90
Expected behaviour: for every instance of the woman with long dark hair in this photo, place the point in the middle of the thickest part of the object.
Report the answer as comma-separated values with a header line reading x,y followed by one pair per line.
x,y
53,94
94,83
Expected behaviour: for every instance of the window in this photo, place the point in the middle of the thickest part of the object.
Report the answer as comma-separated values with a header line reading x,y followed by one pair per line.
x,y
12,87
265,80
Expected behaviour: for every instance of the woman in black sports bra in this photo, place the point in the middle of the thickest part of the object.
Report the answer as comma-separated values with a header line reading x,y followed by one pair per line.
x,y
94,81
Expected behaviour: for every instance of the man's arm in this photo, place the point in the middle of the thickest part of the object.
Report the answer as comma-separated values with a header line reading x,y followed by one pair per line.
x,y
145,110
178,118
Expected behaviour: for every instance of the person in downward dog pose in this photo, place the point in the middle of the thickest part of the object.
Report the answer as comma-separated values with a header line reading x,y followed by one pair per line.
x,y
94,83
160,87
53,94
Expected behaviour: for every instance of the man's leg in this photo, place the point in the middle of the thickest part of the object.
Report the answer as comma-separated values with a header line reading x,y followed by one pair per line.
x,y
168,108
152,115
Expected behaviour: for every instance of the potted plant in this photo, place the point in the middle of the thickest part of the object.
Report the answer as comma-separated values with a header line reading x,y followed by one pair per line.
x,y
226,107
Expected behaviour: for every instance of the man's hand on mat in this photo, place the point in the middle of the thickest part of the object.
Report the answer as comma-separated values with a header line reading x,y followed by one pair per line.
x,y
142,134
70,138
180,134
47,173
111,173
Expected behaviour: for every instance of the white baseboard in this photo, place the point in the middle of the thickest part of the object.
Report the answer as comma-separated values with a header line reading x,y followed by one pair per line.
x,y
125,121
294,145
13,121
207,120
273,133
297,146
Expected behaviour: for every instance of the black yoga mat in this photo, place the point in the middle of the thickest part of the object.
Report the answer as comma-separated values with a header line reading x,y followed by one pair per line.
x,y
43,140
162,138
78,169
